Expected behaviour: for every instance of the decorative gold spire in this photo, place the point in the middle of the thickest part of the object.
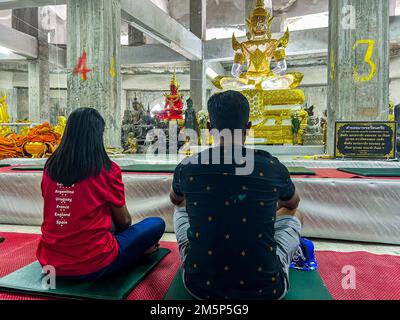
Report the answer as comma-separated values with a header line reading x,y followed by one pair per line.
x,y
260,10
174,80
260,4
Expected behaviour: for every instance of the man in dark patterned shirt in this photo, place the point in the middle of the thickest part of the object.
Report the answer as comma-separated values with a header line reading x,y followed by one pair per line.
x,y
237,231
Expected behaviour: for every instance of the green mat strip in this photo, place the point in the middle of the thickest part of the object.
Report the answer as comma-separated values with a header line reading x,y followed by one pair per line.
x,y
373,172
2,239
28,168
303,286
167,168
28,280
160,168
3,165
300,171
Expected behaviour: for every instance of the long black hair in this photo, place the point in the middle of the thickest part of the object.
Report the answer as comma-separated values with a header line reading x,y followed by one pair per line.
x,y
81,153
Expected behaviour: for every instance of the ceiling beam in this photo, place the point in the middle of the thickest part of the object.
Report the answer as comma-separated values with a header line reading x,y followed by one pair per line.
x,y
18,4
313,41
18,42
143,15
154,22
177,40
26,46
149,54
302,43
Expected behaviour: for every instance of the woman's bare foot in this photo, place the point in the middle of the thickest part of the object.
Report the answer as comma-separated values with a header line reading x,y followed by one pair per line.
x,y
152,249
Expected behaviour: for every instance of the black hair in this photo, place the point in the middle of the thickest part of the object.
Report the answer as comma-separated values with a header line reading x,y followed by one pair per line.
x,y
229,110
81,153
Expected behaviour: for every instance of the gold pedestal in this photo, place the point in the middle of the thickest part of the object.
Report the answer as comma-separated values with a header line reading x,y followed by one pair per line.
x,y
271,125
35,149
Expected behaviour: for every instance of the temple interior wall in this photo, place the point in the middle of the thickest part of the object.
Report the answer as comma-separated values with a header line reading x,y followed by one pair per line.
x,y
150,89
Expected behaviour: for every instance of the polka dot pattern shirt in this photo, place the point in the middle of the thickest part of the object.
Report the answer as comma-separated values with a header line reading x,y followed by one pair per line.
x,y
232,250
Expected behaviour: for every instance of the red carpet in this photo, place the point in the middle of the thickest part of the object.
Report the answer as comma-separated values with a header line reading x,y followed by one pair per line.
x,y
376,275
18,250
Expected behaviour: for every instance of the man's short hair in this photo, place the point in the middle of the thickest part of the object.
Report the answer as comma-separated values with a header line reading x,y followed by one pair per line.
x,y
229,110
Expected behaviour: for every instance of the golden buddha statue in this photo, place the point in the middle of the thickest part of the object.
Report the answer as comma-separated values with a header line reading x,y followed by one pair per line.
x,y
273,94
259,51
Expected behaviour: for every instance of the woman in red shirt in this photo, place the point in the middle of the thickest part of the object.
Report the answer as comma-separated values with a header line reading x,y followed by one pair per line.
x,y
84,198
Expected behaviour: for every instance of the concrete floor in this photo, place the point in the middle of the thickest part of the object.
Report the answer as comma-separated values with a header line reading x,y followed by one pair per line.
x,y
320,244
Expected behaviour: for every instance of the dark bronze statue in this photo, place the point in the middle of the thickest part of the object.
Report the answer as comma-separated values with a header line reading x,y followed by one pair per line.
x,y
191,117
135,125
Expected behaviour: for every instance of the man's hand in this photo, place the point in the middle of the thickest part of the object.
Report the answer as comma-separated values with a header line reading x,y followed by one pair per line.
x,y
177,200
292,204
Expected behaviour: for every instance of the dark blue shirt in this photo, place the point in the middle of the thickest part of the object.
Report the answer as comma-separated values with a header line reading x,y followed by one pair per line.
x,y
232,250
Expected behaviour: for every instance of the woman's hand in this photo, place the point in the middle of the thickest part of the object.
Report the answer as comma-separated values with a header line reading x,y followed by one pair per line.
x,y
121,218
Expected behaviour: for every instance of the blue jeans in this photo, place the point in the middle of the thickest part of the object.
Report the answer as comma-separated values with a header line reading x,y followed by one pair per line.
x,y
133,243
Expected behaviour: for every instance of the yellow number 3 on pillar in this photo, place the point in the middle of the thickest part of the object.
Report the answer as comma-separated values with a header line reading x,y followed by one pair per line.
x,y
367,60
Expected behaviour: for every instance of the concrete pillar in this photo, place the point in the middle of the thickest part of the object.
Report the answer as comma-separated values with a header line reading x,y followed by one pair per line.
x,y
124,104
358,76
93,26
22,103
29,21
135,37
198,80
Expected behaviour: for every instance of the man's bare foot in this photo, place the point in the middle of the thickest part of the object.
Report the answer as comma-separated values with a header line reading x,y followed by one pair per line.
x,y
152,249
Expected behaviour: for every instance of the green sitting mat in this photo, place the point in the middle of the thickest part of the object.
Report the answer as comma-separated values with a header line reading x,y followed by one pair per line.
x,y
303,286
300,171
2,239
163,168
3,165
28,168
373,172
168,168
28,280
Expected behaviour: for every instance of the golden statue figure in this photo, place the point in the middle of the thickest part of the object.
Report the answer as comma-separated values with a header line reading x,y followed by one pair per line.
x,y
132,144
4,116
61,124
259,51
273,94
